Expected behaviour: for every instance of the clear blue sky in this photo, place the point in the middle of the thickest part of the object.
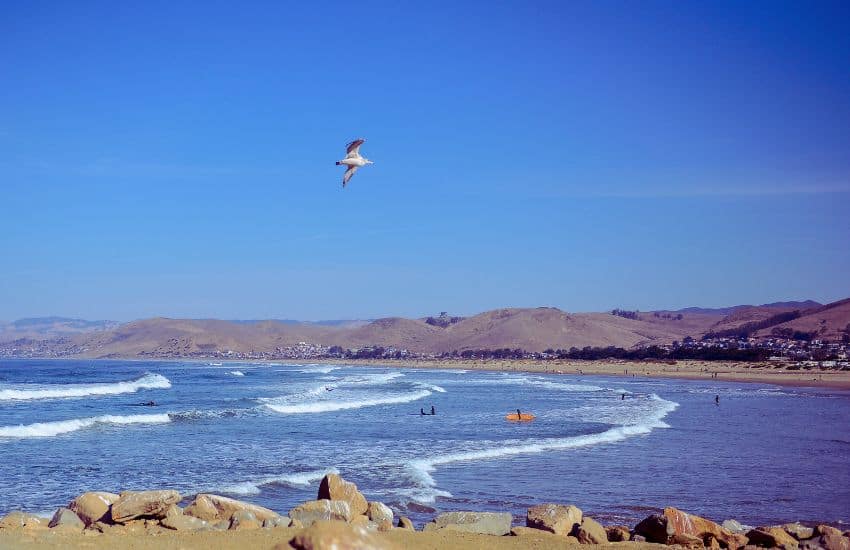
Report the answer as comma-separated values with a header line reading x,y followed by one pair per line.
x,y
177,158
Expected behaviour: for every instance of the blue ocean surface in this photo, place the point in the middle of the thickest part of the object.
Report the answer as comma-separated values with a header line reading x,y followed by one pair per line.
x,y
617,447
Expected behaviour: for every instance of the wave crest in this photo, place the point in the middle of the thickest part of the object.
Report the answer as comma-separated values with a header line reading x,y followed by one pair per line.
x,y
51,429
60,391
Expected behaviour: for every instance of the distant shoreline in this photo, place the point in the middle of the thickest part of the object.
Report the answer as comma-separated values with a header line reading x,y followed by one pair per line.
x,y
762,373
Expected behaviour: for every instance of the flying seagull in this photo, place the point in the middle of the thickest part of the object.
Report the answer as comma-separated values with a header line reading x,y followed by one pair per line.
x,y
353,159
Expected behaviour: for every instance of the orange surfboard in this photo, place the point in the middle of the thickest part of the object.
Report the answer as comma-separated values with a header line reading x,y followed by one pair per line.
x,y
524,417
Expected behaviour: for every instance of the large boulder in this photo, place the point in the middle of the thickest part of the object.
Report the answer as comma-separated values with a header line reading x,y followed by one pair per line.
x,y
333,487
799,531
22,520
485,523
663,529
590,532
405,523
831,538
93,506
618,533
379,512
143,504
770,537
312,511
65,518
327,535
182,522
555,518
216,508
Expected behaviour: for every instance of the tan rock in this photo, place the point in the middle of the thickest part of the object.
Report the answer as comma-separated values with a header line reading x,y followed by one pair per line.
x,y
772,536
590,532
378,512
799,531
315,510
296,524
333,487
22,520
360,521
243,520
385,525
132,505
687,541
405,523
93,506
327,535
183,522
280,521
66,519
555,518
485,523
831,538
210,507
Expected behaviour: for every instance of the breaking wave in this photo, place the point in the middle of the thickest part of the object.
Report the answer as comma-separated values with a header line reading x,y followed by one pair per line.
x,y
425,486
51,429
59,391
343,404
302,479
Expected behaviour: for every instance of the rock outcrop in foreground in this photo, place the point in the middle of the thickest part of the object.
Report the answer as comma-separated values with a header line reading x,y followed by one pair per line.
x,y
342,517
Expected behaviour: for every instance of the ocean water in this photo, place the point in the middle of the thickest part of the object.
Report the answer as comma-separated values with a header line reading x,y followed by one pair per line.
x,y
267,433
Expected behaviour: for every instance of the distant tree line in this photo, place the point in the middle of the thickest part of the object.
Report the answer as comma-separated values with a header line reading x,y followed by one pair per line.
x,y
626,314
443,320
677,317
745,330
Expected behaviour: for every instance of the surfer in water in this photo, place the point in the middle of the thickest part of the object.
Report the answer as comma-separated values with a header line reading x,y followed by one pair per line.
x,y
717,399
433,412
422,411
518,414
148,404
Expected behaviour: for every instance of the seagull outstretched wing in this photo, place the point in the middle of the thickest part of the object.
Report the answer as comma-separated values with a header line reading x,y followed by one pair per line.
x,y
353,148
348,173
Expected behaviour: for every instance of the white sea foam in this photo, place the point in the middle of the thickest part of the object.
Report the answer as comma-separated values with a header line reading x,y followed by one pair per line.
x,y
420,470
237,373
51,429
302,479
539,383
318,369
54,391
328,405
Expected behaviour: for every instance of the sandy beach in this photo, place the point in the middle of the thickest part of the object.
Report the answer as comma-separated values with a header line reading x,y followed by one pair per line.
x,y
764,373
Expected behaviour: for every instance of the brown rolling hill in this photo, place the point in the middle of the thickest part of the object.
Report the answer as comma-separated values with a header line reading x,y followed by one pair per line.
x,y
530,329
829,322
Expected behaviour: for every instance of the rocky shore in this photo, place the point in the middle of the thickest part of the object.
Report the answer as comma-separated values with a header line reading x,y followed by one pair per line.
x,y
341,517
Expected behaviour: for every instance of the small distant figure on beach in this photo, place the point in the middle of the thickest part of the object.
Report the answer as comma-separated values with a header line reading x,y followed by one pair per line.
x,y
432,410
716,399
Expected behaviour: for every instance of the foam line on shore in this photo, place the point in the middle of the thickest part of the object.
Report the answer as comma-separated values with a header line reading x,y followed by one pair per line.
x,y
51,429
60,391
298,480
420,470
